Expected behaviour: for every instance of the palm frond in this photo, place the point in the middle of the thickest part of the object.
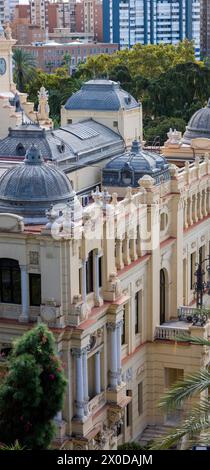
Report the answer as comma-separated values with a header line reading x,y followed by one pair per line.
x,y
193,340
186,388
191,427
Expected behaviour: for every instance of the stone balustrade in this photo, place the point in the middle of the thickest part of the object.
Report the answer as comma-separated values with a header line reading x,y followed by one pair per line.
x,y
170,333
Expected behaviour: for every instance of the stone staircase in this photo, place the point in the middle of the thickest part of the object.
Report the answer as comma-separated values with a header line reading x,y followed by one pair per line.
x,y
152,432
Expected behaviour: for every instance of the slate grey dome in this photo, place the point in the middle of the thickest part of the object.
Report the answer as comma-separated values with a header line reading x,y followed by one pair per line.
x,y
198,126
127,169
30,188
101,95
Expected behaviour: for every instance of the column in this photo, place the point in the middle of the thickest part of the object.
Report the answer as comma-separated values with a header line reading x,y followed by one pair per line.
x,y
190,210
113,361
185,214
77,353
126,250
96,276
119,370
24,294
119,257
85,381
133,253
84,281
138,242
205,203
195,208
200,206
98,373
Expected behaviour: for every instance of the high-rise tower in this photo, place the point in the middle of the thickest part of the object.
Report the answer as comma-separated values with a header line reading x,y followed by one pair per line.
x,y
151,22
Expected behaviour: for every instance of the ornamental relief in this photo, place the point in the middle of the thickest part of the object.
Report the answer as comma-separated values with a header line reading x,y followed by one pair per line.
x,y
96,339
140,370
34,258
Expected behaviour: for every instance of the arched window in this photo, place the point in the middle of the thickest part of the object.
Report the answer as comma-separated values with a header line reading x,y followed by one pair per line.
x,y
162,297
20,149
10,281
127,174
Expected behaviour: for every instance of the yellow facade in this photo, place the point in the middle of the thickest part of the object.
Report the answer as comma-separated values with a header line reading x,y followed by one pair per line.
x,y
152,230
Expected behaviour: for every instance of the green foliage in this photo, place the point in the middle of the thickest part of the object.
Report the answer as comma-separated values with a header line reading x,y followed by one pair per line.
x,y
60,86
24,67
133,446
178,92
149,61
160,126
16,446
32,392
166,78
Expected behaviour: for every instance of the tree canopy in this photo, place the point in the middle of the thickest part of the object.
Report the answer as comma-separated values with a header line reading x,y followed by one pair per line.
x,y
32,391
170,83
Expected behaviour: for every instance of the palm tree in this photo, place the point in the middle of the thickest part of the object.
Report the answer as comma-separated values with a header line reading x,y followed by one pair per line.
x,y
196,425
24,67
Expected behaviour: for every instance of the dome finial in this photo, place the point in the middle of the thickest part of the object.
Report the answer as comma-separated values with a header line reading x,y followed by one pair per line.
x,y
33,156
136,146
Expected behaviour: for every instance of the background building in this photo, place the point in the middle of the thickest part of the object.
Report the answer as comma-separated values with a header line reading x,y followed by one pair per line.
x,y
89,18
7,8
38,11
50,56
205,28
151,21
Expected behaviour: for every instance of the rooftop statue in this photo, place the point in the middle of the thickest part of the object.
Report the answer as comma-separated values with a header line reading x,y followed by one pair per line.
x,y
43,107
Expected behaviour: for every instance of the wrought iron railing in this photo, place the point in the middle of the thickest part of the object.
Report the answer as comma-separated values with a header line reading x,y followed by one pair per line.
x,y
194,315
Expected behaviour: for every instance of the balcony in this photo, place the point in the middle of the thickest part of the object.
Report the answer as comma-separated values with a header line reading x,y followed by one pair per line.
x,y
171,330
189,318
196,316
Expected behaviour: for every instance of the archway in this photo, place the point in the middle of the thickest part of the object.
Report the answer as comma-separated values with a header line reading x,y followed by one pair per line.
x,y
162,296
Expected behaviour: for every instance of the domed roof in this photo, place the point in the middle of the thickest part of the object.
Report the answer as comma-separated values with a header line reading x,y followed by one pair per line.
x,y
128,168
198,126
104,95
30,188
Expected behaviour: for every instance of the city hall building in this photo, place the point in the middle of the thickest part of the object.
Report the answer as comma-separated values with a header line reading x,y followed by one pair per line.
x,y
113,278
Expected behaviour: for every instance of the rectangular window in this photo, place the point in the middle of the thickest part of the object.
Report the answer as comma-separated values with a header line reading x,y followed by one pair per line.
x,y
69,121
115,123
89,273
80,281
140,398
129,409
137,313
100,271
123,328
35,289
10,282
192,270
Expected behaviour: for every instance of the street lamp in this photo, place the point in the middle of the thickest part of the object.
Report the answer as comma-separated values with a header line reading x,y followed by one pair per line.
x,y
200,285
